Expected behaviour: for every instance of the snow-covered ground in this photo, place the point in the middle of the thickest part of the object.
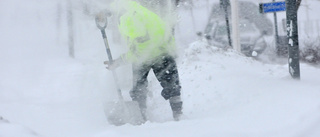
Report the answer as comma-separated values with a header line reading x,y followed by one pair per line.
x,y
44,92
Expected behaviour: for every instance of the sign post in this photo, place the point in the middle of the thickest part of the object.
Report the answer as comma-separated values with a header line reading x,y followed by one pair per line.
x,y
276,27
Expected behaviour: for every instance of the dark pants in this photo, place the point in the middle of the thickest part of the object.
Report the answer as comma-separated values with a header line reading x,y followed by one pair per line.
x,y
165,70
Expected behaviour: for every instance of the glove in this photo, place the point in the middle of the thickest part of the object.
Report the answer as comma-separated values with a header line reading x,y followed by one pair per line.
x,y
114,64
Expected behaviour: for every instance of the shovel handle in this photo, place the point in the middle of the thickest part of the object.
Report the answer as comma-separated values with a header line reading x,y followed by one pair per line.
x,y
105,39
100,21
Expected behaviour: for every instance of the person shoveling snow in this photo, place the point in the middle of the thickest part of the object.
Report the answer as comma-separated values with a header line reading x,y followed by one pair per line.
x,y
151,46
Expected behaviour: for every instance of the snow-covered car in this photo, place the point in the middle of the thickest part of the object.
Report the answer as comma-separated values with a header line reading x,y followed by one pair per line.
x,y
253,26
251,39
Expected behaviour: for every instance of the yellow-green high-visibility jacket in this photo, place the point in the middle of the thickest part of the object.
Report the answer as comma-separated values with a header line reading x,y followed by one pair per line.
x,y
148,36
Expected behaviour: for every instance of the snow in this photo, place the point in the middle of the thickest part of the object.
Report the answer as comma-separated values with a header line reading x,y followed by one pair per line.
x,y
44,92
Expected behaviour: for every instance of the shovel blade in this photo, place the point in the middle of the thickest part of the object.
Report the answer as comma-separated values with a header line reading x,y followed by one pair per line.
x,y
122,112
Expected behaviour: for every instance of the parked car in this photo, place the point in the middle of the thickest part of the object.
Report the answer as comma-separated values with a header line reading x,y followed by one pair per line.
x,y
253,26
251,40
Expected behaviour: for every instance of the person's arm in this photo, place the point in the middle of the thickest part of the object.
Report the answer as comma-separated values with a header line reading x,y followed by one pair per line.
x,y
114,64
143,39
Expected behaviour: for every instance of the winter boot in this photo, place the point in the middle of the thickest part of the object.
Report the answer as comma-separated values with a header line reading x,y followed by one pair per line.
x,y
176,106
143,108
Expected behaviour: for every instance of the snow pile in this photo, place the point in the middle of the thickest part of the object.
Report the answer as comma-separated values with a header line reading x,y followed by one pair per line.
x,y
235,96
232,94
255,98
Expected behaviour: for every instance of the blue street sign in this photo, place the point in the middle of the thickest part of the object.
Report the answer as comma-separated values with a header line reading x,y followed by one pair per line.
x,y
272,7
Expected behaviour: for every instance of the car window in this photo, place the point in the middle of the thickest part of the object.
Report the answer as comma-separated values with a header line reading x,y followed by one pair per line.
x,y
246,27
221,30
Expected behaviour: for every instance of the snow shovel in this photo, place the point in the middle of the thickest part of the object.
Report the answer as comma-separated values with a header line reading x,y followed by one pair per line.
x,y
119,112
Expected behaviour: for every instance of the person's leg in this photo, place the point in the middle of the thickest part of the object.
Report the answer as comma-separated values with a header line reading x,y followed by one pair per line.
x,y
140,86
166,72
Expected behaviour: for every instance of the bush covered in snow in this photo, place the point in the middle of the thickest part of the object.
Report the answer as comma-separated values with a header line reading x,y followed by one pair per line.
x,y
310,50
